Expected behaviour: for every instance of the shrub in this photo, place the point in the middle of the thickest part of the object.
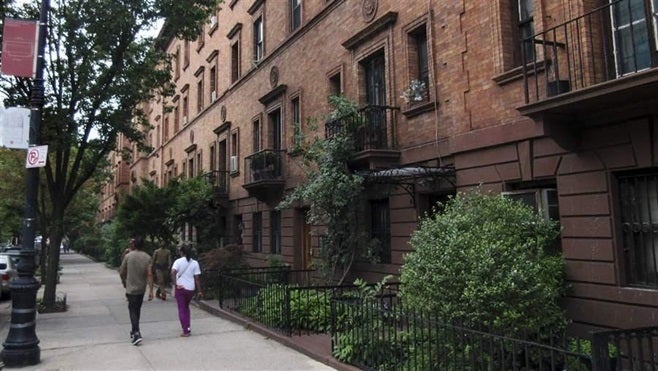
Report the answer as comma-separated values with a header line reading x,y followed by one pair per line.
x,y
484,260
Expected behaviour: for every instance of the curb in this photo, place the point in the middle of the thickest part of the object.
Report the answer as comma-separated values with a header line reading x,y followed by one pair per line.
x,y
274,335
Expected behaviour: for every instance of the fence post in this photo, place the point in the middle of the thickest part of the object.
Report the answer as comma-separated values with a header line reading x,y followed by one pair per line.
x,y
600,358
221,289
286,311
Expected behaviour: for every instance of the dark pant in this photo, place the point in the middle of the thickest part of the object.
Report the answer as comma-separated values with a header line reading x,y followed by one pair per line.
x,y
135,308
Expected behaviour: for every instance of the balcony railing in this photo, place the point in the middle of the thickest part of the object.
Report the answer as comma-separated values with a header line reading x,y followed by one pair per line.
x,y
371,126
265,165
218,179
605,44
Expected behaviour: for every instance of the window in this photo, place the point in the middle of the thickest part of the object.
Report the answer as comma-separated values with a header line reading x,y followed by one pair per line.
x,y
638,198
297,135
212,77
177,63
186,54
275,232
295,14
199,95
257,233
186,109
235,62
199,164
212,158
380,228
631,36
524,48
335,84
165,129
543,200
258,39
176,118
418,64
275,130
255,136
190,167
201,40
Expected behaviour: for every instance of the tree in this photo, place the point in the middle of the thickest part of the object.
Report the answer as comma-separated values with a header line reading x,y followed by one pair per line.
x,y
159,212
100,69
333,193
12,168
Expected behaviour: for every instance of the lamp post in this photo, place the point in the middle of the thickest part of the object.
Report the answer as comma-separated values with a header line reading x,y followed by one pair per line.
x,y
21,348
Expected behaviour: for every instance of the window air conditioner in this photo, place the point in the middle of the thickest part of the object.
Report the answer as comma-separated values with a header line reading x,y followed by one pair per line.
x,y
234,164
184,120
543,201
213,96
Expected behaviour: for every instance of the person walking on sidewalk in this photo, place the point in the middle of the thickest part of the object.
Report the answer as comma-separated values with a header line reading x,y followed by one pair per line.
x,y
135,272
161,265
185,274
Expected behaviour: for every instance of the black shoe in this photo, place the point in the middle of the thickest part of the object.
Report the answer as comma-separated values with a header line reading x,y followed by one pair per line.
x,y
131,334
137,338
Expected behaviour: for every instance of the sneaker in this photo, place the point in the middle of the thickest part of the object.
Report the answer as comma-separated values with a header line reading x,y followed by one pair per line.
x,y
137,338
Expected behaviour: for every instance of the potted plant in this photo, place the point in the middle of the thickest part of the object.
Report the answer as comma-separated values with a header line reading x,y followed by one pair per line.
x,y
415,92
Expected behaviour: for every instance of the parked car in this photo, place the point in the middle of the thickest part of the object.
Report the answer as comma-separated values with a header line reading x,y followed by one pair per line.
x,y
7,272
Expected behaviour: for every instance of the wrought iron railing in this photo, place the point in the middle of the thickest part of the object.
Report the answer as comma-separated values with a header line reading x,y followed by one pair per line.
x,y
218,179
629,349
372,127
264,165
596,47
373,336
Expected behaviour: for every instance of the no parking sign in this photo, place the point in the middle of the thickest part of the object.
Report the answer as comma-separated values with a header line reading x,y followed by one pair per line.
x,y
36,156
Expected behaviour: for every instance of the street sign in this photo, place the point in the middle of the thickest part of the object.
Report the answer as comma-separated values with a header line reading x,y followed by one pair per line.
x,y
36,156
19,47
15,127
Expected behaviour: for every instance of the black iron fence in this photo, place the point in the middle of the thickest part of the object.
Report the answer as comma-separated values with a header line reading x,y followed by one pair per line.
x,y
374,336
604,44
371,126
285,300
630,349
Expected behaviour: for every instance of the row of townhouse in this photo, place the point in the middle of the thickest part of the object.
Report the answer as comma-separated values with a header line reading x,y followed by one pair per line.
x,y
551,102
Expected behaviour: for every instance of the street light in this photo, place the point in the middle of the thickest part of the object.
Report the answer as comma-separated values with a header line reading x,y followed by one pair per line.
x,y
21,348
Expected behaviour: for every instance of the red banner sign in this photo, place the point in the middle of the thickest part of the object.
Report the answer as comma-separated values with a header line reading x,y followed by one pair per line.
x,y
19,47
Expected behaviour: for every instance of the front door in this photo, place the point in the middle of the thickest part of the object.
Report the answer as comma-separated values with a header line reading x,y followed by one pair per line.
x,y
375,77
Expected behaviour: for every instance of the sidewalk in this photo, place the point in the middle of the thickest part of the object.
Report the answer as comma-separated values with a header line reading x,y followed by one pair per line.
x,y
93,334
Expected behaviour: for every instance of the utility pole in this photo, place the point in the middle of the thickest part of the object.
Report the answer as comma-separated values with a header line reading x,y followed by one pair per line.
x,y
21,348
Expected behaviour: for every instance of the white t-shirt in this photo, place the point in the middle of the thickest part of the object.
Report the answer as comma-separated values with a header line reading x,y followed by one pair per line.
x,y
184,274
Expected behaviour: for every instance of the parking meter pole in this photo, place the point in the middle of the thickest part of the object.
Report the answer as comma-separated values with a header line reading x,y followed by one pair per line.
x,y
21,348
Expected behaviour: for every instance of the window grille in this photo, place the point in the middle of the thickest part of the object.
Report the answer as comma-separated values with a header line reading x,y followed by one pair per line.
x,y
638,196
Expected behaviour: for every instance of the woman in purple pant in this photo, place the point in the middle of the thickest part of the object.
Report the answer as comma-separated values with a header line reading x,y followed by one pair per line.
x,y
185,273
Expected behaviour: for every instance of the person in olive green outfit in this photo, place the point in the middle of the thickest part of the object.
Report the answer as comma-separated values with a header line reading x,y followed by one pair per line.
x,y
161,264
135,272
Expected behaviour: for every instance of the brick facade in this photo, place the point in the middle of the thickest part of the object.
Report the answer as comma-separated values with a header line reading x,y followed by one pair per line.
x,y
474,117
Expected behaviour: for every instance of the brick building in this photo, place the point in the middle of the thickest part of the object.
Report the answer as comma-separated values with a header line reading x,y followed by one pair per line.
x,y
552,102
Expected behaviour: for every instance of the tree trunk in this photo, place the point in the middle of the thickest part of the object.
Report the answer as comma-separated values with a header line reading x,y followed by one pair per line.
x,y
52,263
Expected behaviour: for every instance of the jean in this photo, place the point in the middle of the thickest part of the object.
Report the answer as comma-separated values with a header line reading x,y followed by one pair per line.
x,y
183,299
135,309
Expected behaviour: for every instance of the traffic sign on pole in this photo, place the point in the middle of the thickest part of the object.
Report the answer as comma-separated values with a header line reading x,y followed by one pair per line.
x,y
36,156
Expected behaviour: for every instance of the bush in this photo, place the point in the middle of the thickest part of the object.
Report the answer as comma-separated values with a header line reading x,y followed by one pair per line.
x,y
229,256
484,260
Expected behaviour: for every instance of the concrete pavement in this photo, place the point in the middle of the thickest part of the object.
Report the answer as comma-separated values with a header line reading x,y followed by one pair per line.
x,y
93,334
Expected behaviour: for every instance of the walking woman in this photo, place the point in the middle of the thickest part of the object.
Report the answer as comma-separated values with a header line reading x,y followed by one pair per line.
x,y
185,274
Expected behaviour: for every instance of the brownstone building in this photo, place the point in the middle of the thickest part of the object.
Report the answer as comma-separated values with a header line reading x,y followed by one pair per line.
x,y
553,102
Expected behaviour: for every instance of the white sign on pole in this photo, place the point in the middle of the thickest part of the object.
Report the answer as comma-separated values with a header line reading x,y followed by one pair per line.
x,y
36,156
15,127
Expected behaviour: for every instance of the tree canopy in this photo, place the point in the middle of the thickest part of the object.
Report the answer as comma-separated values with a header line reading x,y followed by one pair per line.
x,y
99,70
